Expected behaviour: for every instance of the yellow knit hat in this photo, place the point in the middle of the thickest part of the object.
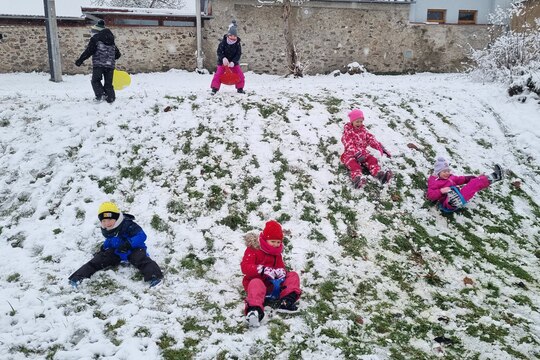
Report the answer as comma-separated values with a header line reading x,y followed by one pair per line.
x,y
108,210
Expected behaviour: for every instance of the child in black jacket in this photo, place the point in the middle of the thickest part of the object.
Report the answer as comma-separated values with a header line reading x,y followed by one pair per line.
x,y
229,52
104,54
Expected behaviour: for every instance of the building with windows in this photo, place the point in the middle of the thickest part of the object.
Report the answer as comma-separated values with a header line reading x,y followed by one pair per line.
x,y
455,11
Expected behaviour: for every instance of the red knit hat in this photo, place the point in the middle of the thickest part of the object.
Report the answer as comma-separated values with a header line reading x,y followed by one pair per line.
x,y
272,231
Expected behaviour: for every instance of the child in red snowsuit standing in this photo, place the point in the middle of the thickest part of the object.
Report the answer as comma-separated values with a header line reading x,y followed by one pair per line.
x,y
356,140
443,186
261,263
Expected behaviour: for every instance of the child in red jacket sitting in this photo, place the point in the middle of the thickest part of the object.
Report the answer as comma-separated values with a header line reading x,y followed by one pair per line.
x,y
262,262
356,140
443,186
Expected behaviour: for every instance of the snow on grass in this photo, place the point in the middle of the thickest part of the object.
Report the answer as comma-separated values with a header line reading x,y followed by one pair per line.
x,y
384,273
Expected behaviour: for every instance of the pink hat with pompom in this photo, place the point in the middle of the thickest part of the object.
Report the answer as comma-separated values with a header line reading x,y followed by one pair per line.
x,y
356,114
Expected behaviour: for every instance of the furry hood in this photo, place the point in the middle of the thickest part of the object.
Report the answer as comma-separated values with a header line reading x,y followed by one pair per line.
x,y
252,240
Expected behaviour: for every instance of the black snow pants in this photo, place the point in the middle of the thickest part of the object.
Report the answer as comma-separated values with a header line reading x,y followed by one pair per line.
x,y
107,258
107,88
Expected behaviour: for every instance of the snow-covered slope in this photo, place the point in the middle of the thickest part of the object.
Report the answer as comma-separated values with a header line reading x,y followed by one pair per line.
x,y
384,273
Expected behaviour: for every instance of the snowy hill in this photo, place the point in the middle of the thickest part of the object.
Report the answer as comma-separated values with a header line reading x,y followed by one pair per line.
x,y
384,273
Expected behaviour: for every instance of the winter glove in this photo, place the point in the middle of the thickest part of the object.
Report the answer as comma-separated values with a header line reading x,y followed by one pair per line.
x,y
225,61
231,64
124,247
360,158
266,271
280,273
78,62
385,152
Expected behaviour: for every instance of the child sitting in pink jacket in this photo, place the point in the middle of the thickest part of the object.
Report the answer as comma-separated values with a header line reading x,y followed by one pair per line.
x,y
356,139
446,189
262,263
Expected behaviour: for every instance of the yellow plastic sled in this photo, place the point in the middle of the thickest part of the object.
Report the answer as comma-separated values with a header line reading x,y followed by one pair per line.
x,y
121,80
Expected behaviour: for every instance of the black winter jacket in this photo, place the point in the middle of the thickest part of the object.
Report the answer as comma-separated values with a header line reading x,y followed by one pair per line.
x,y
231,52
102,49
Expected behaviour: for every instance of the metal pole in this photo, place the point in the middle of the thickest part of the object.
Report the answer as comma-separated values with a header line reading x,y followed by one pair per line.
x,y
199,35
53,45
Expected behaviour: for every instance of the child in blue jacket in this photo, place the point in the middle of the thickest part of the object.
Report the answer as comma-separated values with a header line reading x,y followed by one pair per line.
x,y
124,241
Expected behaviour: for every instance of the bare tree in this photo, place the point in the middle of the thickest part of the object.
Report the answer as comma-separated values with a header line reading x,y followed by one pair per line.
x,y
295,67
169,4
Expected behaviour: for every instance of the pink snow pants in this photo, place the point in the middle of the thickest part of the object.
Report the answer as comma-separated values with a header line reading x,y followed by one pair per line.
x,y
356,169
257,290
470,189
216,80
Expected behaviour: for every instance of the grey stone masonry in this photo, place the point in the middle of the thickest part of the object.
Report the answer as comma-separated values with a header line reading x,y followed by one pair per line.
x,y
328,36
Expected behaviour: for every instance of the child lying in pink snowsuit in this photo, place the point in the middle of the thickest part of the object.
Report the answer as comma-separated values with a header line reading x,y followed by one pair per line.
x,y
356,140
262,262
441,182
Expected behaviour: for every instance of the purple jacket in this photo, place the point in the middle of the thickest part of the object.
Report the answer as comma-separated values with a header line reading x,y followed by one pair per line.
x,y
435,184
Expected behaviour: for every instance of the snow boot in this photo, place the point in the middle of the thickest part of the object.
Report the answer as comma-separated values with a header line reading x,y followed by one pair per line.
x,y
154,282
454,200
214,91
254,316
288,303
240,91
496,175
358,182
384,177
75,283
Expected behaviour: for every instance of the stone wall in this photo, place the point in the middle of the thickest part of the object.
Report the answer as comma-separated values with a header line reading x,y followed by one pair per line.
x,y
328,36
144,49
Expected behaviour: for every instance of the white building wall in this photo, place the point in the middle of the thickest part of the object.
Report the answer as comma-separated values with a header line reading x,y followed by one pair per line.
x,y
452,7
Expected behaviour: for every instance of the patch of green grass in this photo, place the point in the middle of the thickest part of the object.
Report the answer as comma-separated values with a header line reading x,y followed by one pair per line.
x,y
135,173
494,259
489,333
142,332
278,328
107,184
203,151
52,350
327,290
27,351
111,328
310,214
197,265
216,198
175,207
166,341
484,143
283,218
248,183
279,175
353,245
316,235
191,324
158,223
79,214
333,104
15,277
103,285
234,220
178,99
